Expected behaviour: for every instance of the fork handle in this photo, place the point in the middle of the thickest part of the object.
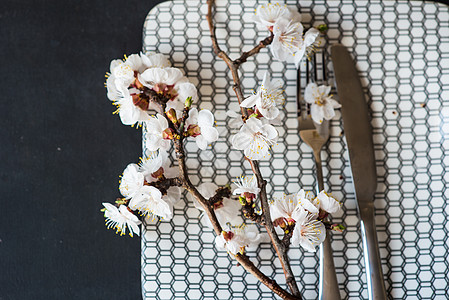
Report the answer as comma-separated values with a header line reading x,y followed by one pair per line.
x,y
328,287
319,169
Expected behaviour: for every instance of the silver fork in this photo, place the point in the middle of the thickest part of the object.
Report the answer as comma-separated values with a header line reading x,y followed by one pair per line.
x,y
316,136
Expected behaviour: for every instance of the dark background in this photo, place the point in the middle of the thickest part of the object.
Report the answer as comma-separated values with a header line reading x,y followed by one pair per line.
x,y
61,149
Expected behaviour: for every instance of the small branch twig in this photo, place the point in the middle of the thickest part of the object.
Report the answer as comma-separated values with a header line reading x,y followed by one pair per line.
x,y
242,259
220,193
165,184
262,44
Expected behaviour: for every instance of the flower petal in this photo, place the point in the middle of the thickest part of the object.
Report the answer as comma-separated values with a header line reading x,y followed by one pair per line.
x,y
250,101
186,90
210,134
310,36
310,92
328,111
271,132
324,90
241,141
201,142
317,113
270,113
205,118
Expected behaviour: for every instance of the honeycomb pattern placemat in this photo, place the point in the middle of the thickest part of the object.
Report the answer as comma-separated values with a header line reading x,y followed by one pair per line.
x,y
402,52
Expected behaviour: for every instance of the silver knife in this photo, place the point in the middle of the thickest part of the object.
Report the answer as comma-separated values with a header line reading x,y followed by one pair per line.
x,y
358,132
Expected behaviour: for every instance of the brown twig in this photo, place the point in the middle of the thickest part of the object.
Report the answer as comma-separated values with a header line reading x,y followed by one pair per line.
x,y
242,259
220,193
155,97
233,66
165,184
262,44
250,213
287,237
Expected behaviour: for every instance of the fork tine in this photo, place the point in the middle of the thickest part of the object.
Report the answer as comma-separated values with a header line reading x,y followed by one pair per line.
x,y
298,90
324,64
307,71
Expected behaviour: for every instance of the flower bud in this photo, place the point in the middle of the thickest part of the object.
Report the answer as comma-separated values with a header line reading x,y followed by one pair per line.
x,y
158,174
193,130
322,28
337,227
279,222
218,204
227,235
171,115
249,197
137,84
168,134
188,102
140,101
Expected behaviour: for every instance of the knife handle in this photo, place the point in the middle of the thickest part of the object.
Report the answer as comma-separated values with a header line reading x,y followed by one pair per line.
x,y
373,266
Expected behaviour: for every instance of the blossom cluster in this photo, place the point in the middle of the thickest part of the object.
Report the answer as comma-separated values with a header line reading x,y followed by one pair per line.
x,y
239,237
289,40
141,196
304,213
132,83
150,93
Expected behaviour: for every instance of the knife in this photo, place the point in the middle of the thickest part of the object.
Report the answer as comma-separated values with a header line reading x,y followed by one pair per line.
x,y
358,132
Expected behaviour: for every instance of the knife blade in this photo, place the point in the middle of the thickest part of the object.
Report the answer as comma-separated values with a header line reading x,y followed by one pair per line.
x,y
358,132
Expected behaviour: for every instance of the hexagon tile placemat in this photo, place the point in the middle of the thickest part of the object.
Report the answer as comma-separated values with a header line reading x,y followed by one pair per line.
x,y
402,52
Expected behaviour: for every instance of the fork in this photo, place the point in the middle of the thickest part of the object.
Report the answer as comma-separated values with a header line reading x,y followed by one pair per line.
x,y
315,136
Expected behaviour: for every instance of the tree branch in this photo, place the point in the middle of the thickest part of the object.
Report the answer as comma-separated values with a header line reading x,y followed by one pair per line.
x,y
233,66
262,44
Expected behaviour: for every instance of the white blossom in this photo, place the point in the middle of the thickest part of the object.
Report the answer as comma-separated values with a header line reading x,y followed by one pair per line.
x,y
150,203
154,133
123,71
255,138
267,98
205,120
246,184
322,105
287,39
131,182
237,239
308,231
327,203
147,199
122,85
161,77
121,218
227,210
151,164
307,201
266,15
157,163
186,90
309,40
171,83
154,60
286,207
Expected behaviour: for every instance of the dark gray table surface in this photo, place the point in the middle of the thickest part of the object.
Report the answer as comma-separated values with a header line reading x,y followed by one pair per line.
x,y
61,150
